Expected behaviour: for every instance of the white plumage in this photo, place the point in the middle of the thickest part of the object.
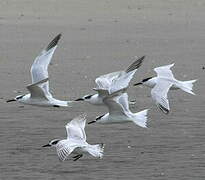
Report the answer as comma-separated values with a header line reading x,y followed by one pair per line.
x,y
161,84
39,94
75,143
112,82
112,88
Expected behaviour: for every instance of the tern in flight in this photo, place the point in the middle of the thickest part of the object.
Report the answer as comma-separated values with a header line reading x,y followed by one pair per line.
x,y
119,112
97,99
161,84
39,94
75,143
114,96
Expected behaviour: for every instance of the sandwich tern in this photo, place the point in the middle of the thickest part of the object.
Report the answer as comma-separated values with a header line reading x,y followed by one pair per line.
x,y
114,96
97,99
39,94
75,143
161,84
119,112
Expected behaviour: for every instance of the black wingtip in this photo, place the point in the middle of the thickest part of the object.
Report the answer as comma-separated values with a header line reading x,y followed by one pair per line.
x,y
136,64
54,42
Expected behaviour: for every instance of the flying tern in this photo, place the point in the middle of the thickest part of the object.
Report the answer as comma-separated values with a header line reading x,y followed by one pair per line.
x,y
119,112
114,96
75,143
39,94
107,80
161,84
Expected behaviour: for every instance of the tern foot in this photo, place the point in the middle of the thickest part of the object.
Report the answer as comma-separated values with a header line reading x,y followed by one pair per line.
x,y
56,106
77,157
163,109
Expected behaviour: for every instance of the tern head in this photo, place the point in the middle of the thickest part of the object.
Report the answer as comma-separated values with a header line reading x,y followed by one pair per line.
x,y
144,81
52,143
85,98
17,98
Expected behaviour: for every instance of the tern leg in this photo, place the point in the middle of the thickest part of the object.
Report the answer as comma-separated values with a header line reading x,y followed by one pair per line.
x,y
77,157
163,109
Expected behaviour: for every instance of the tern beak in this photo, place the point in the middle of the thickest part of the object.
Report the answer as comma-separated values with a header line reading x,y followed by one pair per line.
x,y
79,99
91,122
10,100
47,145
140,83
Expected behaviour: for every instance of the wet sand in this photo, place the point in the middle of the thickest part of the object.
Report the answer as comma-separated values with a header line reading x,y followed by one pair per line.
x,y
101,37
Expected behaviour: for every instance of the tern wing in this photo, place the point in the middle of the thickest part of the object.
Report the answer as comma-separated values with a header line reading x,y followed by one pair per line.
x,y
64,149
36,91
76,128
39,68
159,94
104,81
113,82
135,65
164,71
122,82
117,105
123,100
116,81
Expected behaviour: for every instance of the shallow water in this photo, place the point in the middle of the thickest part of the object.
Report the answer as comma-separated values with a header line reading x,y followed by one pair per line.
x,y
96,41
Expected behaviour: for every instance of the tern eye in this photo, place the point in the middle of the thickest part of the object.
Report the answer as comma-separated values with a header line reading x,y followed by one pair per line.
x,y
88,97
55,142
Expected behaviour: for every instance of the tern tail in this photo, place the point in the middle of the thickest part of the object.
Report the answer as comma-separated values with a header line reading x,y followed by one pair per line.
x,y
141,118
96,150
187,86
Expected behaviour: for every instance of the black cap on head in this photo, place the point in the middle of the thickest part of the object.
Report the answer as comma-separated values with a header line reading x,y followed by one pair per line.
x,y
146,79
88,96
83,98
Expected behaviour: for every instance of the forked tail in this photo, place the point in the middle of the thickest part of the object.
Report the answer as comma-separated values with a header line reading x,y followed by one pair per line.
x,y
187,86
140,118
96,150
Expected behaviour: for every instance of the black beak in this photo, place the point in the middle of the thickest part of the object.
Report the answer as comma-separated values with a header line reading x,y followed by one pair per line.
x,y
91,122
79,99
10,100
47,145
140,83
